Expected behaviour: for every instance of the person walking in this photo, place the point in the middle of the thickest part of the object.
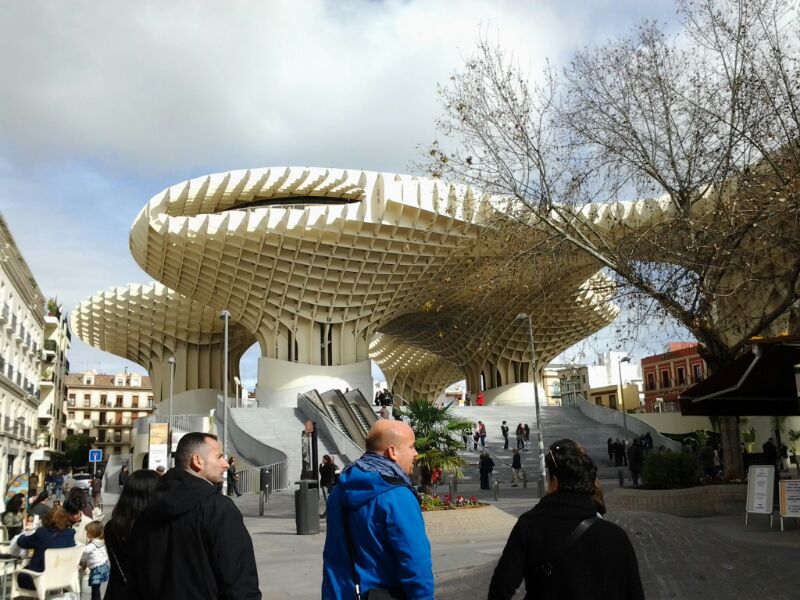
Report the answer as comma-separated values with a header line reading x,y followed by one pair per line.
x,y
482,432
97,493
520,437
527,433
516,466
610,446
376,535
561,548
504,432
122,478
485,468
635,460
327,479
191,542
132,501
233,478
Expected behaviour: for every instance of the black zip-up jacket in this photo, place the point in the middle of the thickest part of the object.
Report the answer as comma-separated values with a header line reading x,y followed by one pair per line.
x,y
601,565
191,543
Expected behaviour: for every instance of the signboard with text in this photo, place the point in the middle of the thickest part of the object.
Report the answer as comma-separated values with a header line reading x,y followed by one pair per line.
x,y
790,497
760,482
159,450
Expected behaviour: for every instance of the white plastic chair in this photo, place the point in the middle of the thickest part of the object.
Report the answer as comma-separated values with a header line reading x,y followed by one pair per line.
x,y
60,573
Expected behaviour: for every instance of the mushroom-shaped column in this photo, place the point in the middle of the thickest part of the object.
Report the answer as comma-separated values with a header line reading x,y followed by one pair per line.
x,y
149,324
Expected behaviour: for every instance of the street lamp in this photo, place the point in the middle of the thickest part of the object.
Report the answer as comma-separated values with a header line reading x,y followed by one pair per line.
x,y
542,478
225,316
171,361
626,359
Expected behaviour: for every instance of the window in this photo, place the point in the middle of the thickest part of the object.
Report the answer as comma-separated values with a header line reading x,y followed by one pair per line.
x,y
651,381
681,374
87,398
101,435
88,380
103,399
697,372
119,401
612,401
71,415
119,381
135,401
665,379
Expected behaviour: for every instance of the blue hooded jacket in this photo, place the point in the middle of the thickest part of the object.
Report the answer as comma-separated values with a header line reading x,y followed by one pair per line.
x,y
391,548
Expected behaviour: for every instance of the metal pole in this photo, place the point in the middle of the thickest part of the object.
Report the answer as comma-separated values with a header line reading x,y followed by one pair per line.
x,y
225,315
171,362
542,477
622,399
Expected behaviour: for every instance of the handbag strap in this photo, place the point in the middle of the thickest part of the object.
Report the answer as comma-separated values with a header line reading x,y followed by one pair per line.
x,y
350,549
549,566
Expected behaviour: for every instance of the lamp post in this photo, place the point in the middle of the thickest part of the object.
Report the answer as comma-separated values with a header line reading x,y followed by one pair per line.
x,y
626,359
238,391
171,361
225,316
542,478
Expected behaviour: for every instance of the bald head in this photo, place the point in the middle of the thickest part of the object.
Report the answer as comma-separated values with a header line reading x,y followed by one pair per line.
x,y
394,440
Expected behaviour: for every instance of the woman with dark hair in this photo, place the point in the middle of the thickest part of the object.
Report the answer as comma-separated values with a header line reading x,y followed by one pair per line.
x,y
14,515
135,497
56,532
80,498
561,548
39,506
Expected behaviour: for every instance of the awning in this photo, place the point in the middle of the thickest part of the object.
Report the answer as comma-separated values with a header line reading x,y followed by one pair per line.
x,y
758,383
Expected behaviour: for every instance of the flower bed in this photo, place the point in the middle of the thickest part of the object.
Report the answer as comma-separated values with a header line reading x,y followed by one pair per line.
x,y
431,503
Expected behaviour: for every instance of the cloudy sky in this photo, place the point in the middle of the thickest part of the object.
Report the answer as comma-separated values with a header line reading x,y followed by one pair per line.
x,y
106,103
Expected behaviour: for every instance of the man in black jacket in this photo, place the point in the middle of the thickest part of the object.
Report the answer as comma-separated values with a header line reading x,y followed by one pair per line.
x,y
191,541
598,565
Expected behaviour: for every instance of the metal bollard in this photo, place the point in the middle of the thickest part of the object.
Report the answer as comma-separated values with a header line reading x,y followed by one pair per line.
x,y
621,476
524,479
496,489
263,498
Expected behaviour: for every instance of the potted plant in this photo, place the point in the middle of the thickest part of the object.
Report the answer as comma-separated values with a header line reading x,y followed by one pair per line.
x,y
749,437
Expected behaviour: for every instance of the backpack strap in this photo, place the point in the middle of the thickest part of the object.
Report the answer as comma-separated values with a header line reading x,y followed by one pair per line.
x,y
549,566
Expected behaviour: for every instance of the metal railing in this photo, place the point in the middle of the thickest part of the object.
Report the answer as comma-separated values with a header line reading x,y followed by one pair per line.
x,y
184,423
249,479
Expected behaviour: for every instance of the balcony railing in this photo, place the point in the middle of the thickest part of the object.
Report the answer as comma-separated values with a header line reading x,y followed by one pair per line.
x,y
4,313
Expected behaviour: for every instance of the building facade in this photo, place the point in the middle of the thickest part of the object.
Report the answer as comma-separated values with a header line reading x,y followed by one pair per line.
x,y
21,342
574,384
668,374
53,385
106,407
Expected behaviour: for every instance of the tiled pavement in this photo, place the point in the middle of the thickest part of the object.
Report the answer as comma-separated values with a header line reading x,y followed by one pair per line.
x,y
705,558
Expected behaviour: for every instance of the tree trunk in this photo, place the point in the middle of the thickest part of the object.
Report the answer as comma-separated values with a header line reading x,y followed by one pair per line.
x,y
732,462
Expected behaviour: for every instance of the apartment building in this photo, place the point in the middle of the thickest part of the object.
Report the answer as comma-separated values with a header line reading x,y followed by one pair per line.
x,y
574,384
668,374
107,407
52,384
21,342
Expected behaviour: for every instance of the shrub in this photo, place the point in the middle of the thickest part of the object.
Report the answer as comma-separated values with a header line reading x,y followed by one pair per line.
x,y
670,470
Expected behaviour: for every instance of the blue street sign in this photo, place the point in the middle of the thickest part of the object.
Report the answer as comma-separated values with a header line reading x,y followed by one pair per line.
x,y
95,456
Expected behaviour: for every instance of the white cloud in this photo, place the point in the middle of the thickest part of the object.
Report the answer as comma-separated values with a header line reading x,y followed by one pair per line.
x,y
106,103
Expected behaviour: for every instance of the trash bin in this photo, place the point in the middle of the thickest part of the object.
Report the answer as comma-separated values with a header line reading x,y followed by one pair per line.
x,y
306,507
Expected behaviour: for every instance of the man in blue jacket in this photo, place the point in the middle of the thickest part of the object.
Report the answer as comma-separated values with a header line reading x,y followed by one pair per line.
x,y
384,520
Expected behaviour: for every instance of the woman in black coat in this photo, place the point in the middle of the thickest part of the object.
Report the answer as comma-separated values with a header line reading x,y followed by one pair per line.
x,y
599,565
135,497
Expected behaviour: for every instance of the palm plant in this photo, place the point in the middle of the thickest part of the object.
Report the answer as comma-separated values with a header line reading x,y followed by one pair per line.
x,y
438,433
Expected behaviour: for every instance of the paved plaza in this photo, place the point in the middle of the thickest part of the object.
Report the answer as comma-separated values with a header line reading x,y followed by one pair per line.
x,y
713,557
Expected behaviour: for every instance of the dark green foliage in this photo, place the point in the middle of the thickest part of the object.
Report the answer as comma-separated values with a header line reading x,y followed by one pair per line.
x,y
670,470
76,449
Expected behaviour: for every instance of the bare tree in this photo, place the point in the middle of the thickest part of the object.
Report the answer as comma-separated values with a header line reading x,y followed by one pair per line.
x,y
702,125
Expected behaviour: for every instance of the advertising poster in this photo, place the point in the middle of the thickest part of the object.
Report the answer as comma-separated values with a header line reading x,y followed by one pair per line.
x,y
159,451
760,481
790,498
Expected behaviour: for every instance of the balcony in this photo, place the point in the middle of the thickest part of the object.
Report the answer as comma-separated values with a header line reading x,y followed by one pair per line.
x,y
25,339
50,349
11,324
47,378
4,313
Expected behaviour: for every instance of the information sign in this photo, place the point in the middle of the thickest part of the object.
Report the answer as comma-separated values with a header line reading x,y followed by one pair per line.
x,y
760,482
789,498
159,451
95,456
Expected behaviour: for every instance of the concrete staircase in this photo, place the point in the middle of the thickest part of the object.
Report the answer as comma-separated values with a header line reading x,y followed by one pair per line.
x,y
278,428
557,423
